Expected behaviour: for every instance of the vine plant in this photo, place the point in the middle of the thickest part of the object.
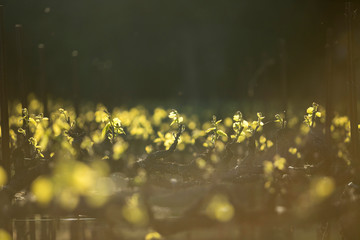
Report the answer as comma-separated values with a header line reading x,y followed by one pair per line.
x,y
311,114
112,128
25,131
215,132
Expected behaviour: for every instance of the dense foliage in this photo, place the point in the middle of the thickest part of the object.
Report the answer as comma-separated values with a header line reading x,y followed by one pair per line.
x,y
280,164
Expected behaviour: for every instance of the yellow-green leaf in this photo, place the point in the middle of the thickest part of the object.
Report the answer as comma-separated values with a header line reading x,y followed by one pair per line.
x,y
221,133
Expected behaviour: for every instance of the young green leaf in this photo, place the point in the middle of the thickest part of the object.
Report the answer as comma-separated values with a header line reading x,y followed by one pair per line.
x,y
221,133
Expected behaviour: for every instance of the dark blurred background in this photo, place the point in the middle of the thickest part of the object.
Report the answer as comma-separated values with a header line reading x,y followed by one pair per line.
x,y
179,49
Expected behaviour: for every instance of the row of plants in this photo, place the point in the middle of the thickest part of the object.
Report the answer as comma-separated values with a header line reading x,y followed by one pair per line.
x,y
99,154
